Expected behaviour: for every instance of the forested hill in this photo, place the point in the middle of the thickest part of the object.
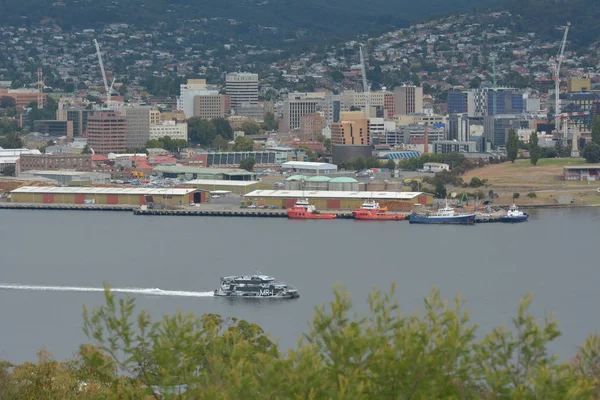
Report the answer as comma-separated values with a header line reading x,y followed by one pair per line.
x,y
292,18
543,17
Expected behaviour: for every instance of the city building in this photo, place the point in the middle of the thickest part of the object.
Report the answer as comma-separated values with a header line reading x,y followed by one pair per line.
x,y
408,100
457,102
108,196
311,125
138,125
173,129
242,88
298,105
581,173
107,132
68,177
54,128
210,105
453,146
284,154
233,159
255,112
329,199
575,85
23,96
496,128
421,118
488,101
308,167
9,157
582,106
54,162
459,127
350,138
77,115
175,171
187,92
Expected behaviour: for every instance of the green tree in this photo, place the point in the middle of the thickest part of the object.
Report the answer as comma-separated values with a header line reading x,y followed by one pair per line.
x,y
223,127
512,145
440,189
596,130
86,150
371,162
359,163
201,131
248,163
155,144
243,143
327,144
220,143
12,140
591,152
390,164
270,123
534,149
250,128
7,102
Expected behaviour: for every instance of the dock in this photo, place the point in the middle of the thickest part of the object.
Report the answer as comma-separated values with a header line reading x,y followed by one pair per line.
x,y
479,219
70,207
228,213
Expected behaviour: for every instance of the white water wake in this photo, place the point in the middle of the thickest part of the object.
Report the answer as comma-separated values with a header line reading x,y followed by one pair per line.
x,y
153,292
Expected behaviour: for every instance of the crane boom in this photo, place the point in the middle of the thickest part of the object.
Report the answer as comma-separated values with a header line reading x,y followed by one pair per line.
x,y
366,90
103,73
558,65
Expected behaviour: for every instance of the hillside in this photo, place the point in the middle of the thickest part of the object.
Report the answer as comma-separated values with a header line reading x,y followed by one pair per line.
x,y
290,20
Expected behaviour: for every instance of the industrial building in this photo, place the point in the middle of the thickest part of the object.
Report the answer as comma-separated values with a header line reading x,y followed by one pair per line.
x,y
176,171
341,184
237,187
581,173
69,177
336,200
309,167
102,195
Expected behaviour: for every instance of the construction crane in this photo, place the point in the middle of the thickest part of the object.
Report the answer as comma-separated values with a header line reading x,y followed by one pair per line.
x,y
495,88
366,88
556,65
106,87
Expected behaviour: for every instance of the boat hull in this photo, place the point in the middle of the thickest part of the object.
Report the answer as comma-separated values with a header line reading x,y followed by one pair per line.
x,y
256,295
520,218
468,219
303,214
372,216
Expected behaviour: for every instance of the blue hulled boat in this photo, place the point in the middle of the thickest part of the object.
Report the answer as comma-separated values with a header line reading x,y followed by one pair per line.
x,y
515,215
444,216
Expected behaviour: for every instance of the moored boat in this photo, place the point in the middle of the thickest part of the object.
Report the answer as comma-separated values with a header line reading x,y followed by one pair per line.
x,y
370,210
514,215
257,285
304,210
444,216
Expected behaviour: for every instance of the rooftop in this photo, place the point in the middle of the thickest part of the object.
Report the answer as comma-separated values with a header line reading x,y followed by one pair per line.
x,y
328,194
219,182
308,164
182,169
101,190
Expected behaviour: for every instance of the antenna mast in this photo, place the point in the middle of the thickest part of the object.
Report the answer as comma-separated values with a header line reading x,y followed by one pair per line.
x,y
366,88
103,74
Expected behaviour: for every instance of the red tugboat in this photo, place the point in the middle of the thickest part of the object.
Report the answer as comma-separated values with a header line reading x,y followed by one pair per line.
x,y
304,210
370,210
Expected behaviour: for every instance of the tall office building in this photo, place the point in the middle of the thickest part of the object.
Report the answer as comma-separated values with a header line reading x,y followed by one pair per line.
x,y
189,91
208,106
77,115
487,101
495,128
138,125
457,102
351,137
106,132
54,128
408,100
459,127
242,88
298,105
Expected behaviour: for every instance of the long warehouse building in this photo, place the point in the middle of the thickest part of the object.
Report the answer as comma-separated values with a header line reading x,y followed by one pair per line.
x,y
104,195
327,199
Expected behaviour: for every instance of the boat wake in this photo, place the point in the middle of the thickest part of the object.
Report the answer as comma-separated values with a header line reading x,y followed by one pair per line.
x,y
141,291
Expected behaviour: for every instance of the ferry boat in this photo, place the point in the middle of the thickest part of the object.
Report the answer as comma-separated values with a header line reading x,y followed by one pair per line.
x,y
304,210
370,210
446,216
257,285
515,215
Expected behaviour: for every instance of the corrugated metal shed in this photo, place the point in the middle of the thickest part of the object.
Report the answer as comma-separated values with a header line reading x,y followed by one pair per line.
x,y
335,194
102,190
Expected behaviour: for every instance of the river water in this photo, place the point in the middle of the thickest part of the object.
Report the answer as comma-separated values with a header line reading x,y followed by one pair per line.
x,y
54,262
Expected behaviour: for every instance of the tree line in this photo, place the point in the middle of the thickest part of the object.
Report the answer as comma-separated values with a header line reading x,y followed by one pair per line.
x,y
436,353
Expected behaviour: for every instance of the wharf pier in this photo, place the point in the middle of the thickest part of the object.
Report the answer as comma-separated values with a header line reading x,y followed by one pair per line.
x,y
479,219
228,213
71,207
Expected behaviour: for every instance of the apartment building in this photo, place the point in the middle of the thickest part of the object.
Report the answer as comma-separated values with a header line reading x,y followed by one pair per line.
x,y
242,88
107,132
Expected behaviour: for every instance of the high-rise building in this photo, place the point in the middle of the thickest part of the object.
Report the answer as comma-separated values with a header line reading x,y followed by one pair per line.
x,y
489,101
242,88
189,91
208,106
311,125
495,128
575,85
408,100
107,132
457,102
78,115
138,125
353,129
459,127
298,105
54,128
